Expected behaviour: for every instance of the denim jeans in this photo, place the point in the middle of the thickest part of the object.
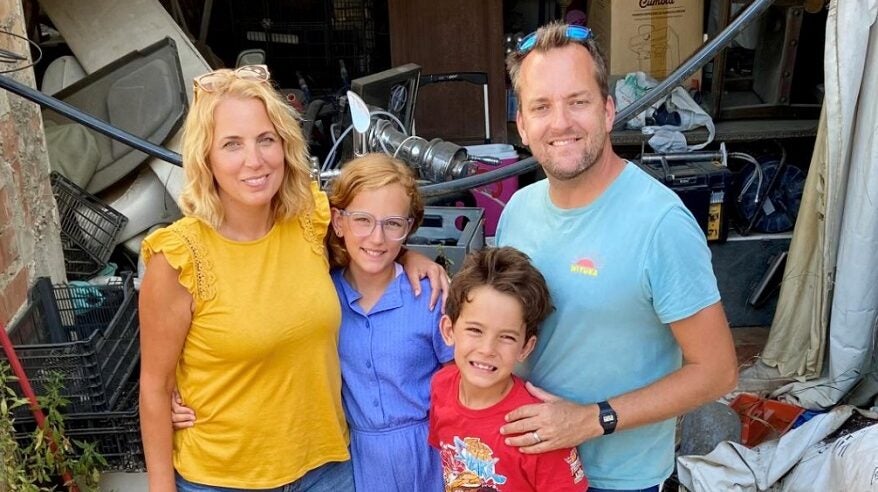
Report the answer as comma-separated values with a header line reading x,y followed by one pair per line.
x,y
331,477
650,489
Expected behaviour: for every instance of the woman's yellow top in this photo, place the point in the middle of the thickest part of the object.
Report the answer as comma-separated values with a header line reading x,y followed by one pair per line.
x,y
260,363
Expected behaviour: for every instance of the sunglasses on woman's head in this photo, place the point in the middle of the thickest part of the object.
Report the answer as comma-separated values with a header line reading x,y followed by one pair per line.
x,y
576,33
212,81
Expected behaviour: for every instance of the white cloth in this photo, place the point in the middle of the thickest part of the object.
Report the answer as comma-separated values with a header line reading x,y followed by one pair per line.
x,y
850,230
666,138
734,467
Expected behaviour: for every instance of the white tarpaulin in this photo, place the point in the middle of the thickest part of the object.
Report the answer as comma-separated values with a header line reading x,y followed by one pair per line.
x,y
847,464
800,460
844,271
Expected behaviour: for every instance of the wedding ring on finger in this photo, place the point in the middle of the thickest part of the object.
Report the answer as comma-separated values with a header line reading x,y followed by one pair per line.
x,y
536,437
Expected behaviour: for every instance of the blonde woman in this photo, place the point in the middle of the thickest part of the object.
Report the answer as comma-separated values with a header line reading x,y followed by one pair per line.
x,y
238,310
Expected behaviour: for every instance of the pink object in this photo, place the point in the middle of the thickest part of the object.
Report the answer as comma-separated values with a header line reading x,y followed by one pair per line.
x,y
575,17
493,197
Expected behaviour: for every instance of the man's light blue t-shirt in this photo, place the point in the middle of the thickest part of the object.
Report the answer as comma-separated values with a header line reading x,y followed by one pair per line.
x,y
619,271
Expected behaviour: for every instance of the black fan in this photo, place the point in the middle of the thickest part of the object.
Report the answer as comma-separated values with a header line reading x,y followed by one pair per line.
x,y
774,200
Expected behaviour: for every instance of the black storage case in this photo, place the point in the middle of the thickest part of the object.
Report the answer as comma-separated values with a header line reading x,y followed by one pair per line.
x,y
705,188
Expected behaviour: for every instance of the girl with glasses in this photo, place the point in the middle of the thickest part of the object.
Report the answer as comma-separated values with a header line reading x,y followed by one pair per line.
x,y
238,310
390,345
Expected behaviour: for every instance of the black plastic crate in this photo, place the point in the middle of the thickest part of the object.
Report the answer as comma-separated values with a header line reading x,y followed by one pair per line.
x,y
89,334
88,228
116,433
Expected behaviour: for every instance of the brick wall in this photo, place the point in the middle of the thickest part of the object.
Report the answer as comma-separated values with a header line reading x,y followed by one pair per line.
x,y
29,239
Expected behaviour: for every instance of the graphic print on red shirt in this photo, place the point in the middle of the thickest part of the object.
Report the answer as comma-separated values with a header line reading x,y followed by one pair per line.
x,y
476,458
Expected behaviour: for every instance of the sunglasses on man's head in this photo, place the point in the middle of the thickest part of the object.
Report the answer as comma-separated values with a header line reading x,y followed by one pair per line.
x,y
576,33
212,81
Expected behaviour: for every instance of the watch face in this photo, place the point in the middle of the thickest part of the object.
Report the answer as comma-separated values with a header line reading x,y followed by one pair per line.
x,y
607,417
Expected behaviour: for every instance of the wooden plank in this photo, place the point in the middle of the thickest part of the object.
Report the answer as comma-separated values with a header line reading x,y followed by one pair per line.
x,y
453,36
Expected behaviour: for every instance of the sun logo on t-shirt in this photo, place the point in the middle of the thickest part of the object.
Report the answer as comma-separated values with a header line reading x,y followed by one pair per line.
x,y
584,267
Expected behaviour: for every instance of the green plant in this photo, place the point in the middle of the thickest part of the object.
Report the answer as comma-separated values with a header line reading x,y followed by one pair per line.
x,y
37,466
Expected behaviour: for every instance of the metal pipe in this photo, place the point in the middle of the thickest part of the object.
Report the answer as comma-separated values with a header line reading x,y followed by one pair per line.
x,y
704,155
487,114
696,61
684,71
499,174
90,121
681,156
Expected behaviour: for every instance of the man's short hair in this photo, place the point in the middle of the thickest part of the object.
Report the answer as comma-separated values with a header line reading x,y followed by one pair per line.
x,y
551,36
506,270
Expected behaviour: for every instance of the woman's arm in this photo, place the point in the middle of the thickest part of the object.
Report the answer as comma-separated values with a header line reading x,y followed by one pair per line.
x,y
165,316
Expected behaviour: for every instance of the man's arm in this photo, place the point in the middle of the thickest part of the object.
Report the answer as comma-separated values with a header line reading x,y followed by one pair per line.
x,y
418,266
709,371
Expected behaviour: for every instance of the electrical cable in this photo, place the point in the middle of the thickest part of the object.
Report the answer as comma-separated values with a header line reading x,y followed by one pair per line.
x,y
768,189
757,175
402,127
15,57
406,139
331,154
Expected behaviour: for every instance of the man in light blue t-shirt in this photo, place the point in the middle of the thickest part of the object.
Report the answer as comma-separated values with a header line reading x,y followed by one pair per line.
x,y
639,335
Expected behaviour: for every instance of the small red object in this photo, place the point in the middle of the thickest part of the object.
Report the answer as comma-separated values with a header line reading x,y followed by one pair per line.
x,y
763,419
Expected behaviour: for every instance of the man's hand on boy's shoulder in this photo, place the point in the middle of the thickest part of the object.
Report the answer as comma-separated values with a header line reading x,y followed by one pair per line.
x,y
554,424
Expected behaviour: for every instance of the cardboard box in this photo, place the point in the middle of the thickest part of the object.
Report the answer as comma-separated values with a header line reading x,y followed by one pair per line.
x,y
651,36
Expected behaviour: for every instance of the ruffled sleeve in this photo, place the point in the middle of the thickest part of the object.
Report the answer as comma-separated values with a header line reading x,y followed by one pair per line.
x,y
180,245
316,224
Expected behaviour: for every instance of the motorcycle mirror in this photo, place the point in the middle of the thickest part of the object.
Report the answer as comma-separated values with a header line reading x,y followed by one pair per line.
x,y
361,119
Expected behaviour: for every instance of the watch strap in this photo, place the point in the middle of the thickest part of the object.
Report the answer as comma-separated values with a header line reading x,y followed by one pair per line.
x,y
607,417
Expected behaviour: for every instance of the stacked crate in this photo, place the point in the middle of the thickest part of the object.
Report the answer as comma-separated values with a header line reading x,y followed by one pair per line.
x,y
89,335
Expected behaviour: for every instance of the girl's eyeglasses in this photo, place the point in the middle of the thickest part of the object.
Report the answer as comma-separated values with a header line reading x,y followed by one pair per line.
x,y
363,223
576,33
212,81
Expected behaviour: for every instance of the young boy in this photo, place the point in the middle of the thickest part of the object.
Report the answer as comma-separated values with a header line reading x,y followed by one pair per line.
x,y
494,308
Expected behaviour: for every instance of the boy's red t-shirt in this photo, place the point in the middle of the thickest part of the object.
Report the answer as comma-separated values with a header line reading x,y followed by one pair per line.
x,y
474,456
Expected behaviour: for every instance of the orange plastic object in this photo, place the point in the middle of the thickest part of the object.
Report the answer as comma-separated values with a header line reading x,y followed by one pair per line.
x,y
763,419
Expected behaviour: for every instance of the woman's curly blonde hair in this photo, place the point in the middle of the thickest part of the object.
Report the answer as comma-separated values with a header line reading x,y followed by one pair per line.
x,y
200,197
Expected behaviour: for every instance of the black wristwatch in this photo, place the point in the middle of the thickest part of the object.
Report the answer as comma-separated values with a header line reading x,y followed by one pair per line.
x,y
607,418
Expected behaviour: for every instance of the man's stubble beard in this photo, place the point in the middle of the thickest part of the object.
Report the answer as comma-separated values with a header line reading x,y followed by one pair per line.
x,y
587,160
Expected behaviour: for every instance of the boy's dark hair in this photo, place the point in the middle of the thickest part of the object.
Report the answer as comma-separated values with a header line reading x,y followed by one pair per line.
x,y
506,270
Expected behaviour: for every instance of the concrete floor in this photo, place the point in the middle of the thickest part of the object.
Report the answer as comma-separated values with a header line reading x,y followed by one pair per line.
x,y
124,482
749,342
